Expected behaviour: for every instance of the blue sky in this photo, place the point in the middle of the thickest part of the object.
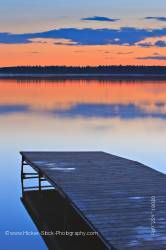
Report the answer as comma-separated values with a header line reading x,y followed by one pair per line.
x,y
123,23
37,15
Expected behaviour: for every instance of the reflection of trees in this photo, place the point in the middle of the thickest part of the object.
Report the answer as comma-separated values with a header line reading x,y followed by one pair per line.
x,y
84,70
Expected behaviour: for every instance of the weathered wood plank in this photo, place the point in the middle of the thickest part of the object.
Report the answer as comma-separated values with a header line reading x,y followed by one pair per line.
x,y
113,193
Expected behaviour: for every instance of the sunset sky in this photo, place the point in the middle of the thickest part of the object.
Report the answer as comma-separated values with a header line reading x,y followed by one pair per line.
x,y
64,32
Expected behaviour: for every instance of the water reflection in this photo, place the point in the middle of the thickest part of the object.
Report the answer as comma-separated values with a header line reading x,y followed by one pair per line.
x,y
54,217
123,118
85,98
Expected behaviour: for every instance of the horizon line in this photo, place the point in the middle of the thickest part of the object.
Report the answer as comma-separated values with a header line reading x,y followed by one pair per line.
x,y
82,66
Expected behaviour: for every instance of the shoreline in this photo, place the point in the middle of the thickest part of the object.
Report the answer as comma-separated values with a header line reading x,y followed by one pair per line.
x,y
86,76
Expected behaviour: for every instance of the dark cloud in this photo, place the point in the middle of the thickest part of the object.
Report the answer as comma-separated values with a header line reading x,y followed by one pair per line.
x,y
79,51
158,18
125,53
158,43
145,44
35,52
87,36
156,54
162,58
100,19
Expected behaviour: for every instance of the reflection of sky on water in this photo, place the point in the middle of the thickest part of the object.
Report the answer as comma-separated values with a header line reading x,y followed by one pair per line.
x,y
122,111
8,109
124,118
129,111
121,118
85,98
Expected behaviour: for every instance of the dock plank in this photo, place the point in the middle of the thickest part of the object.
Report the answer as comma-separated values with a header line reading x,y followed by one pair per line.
x,y
111,192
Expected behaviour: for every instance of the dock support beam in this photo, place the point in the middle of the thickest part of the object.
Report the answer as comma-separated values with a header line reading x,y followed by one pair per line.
x,y
35,175
40,180
22,175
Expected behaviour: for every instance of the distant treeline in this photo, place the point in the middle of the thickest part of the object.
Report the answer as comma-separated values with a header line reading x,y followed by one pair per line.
x,y
84,70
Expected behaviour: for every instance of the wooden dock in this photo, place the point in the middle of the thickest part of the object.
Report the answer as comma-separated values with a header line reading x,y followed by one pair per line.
x,y
123,200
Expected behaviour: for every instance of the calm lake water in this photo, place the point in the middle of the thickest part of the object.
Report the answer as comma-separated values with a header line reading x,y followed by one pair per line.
x,y
123,118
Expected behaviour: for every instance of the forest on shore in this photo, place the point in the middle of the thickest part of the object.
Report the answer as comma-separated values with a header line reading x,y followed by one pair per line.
x,y
153,70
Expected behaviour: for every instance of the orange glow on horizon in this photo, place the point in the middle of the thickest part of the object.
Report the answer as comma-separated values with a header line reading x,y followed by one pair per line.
x,y
47,53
